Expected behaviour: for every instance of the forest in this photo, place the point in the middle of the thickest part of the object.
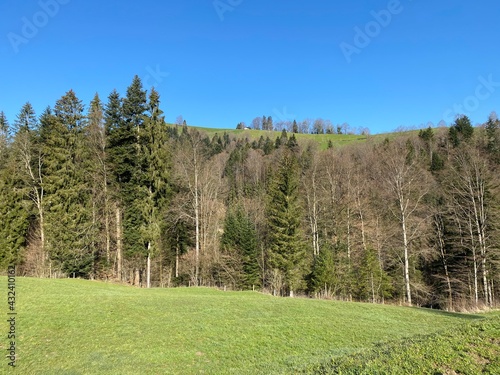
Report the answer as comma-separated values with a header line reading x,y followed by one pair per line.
x,y
113,192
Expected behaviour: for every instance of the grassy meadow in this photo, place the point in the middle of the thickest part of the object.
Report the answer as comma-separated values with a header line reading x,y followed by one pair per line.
x,y
338,140
83,327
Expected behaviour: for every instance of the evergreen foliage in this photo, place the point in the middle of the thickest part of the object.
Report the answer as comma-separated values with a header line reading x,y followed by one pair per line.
x,y
118,193
285,249
240,238
461,130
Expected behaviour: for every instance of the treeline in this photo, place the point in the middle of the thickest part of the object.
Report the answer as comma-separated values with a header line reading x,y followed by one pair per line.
x,y
114,193
307,126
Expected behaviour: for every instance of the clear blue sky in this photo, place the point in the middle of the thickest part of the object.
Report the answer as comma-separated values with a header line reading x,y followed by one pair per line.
x,y
249,58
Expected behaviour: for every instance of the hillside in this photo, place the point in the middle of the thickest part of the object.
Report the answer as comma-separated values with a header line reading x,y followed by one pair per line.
x,y
76,326
337,140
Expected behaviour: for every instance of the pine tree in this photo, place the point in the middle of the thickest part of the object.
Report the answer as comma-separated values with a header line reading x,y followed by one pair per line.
x,y
322,280
240,237
133,109
27,151
461,130
492,130
26,119
119,149
285,248
69,211
4,138
134,106
14,209
153,184
14,214
124,127
98,180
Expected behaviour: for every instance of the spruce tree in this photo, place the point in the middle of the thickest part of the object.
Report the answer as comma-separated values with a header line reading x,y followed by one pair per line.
x,y
97,168
286,251
119,149
4,138
29,157
492,130
152,192
14,208
133,109
124,121
461,130
26,119
14,214
69,212
322,280
240,237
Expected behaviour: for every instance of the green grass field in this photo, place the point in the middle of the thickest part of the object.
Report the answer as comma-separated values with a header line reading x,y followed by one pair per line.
x,y
466,349
84,327
338,140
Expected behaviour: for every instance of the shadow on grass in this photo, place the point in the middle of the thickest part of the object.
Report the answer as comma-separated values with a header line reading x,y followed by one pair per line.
x,y
466,316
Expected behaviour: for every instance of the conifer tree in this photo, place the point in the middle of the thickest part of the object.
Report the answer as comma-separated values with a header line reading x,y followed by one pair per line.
x,y
4,138
322,280
124,125
240,237
69,224
98,180
26,119
285,248
27,151
153,188
14,211
119,148
492,130
133,109
461,130
14,214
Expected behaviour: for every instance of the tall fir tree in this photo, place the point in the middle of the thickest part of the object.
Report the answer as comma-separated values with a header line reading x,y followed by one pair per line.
x,y
119,151
285,249
14,209
69,212
134,108
461,131
14,214
492,131
240,237
152,194
98,183
125,125
26,119
29,157
4,138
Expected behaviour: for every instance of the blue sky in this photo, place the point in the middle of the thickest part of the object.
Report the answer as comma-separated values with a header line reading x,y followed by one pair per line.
x,y
375,64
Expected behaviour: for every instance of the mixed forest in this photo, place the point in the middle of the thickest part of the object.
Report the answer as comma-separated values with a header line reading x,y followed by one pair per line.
x,y
109,191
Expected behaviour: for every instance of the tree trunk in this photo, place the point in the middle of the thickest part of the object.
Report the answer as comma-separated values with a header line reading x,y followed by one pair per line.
x,y
107,222
474,259
148,275
177,258
406,256
119,244
197,228
439,229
